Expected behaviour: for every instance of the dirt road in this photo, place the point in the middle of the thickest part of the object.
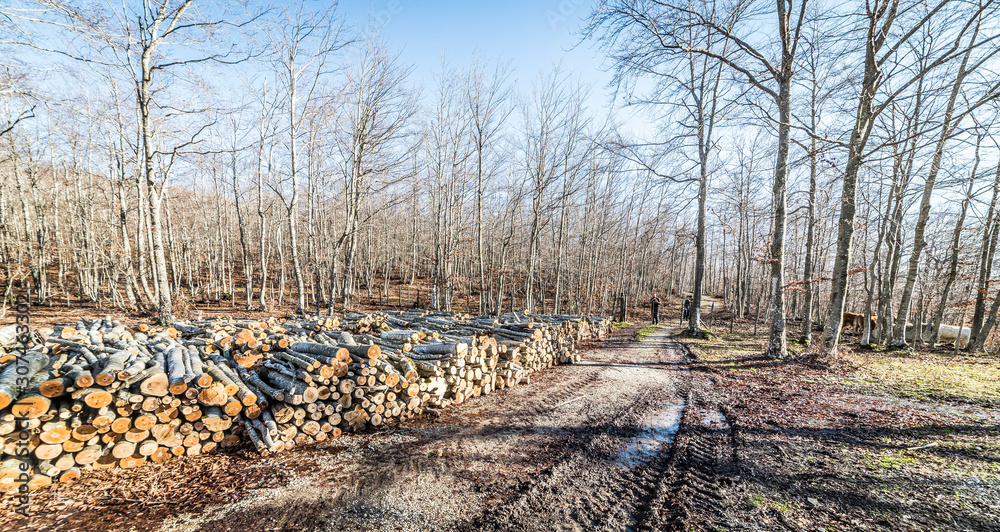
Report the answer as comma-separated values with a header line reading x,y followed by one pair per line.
x,y
625,440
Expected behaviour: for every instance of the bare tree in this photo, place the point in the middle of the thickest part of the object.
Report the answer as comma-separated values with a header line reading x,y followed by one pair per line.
x,y
303,44
987,252
819,62
486,95
955,247
447,144
374,118
145,43
553,144
638,51
949,123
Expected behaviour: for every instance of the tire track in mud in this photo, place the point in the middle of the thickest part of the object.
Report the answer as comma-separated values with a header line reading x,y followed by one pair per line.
x,y
500,425
691,495
586,490
549,398
595,487
679,487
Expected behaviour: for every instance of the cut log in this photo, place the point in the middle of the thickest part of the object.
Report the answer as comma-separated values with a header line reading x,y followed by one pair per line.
x,y
144,422
135,435
167,435
114,363
123,449
147,448
156,385
121,425
84,379
84,432
220,376
39,481
213,395
214,420
95,398
56,434
48,451
66,462
69,475
47,468
176,371
130,462
31,406
105,461
160,455
18,373
233,408
56,387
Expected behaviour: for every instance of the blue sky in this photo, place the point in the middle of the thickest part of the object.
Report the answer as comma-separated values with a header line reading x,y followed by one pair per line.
x,y
531,35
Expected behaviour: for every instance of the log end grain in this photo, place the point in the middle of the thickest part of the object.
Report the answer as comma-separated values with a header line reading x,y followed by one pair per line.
x,y
97,399
30,407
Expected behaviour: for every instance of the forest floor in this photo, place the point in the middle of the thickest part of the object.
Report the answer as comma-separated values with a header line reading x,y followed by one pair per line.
x,y
869,441
650,434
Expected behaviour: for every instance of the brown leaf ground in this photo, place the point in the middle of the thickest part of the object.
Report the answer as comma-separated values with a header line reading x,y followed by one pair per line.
x,y
870,440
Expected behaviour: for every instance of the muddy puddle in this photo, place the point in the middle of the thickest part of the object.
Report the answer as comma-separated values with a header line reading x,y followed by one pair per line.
x,y
713,419
656,432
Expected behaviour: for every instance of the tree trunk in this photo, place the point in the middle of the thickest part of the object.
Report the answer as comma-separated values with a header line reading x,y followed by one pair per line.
x,y
293,204
807,274
694,312
777,347
154,196
244,247
864,121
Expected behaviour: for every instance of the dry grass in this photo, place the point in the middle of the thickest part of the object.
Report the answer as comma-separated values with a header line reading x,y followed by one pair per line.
x,y
924,375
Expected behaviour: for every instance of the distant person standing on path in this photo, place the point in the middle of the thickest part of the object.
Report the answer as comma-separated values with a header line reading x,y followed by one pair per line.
x,y
687,308
654,307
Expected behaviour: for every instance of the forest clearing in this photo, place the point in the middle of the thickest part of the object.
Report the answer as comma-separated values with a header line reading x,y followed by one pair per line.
x,y
386,265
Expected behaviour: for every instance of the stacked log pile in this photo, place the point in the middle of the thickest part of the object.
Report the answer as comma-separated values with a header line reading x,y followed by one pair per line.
x,y
100,394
